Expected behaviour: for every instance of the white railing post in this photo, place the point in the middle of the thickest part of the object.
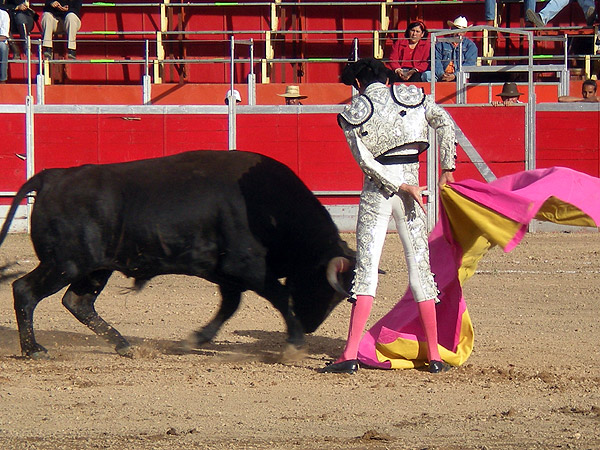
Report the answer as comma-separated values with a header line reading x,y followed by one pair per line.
x,y
231,102
146,80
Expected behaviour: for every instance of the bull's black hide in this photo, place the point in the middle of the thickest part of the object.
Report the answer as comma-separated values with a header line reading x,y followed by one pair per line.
x,y
240,220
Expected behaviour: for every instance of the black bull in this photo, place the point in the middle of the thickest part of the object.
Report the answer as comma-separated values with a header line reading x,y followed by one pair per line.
x,y
240,220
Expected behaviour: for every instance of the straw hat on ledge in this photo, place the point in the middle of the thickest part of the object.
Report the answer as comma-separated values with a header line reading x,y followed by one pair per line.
x,y
292,91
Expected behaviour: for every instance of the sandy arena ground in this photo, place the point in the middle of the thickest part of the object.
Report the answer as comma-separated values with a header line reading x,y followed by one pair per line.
x,y
532,382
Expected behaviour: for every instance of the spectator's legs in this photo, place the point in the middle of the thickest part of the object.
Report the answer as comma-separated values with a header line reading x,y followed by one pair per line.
x,y
3,61
529,4
49,27
490,9
589,10
552,9
24,25
72,25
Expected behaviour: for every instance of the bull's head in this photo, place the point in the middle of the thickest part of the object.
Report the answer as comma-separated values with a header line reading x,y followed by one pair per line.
x,y
315,293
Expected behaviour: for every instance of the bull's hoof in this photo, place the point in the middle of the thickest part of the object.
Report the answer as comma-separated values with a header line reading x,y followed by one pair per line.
x,y
39,355
185,345
193,342
292,353
200,338
36,352
125,351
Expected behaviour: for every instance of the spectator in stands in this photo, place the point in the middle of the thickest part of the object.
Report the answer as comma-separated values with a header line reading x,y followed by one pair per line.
x,y
448,55
588,93
410,57
490,10
61,16
510,95
4,35
553,7
22,18
292,95
236,95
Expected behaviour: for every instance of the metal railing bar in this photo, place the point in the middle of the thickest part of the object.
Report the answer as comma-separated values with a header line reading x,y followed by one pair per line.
x,y
258,4
336,193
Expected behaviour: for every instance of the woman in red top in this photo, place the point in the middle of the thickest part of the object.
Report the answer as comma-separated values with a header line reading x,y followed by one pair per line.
x,y
410,57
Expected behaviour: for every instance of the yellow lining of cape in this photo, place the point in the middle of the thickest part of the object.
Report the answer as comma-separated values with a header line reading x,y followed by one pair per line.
x,y
408,353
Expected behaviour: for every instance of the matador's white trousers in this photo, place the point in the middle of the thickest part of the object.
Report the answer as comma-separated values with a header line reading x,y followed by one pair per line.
x,y
374,215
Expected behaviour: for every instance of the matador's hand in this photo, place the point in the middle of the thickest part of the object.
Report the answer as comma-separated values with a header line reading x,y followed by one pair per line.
x,y
446,177
415,192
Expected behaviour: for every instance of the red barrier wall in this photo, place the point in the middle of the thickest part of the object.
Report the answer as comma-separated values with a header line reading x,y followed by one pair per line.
x,y
569,139
311,144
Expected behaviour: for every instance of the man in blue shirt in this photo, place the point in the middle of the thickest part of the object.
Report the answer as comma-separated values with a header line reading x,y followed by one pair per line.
x,y
448,54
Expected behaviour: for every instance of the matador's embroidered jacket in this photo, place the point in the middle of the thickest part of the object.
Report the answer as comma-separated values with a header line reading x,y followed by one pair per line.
x,y
386,121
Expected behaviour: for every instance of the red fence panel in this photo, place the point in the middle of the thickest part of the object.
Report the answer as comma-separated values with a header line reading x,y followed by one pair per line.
x,y
498,135
569,139
310,144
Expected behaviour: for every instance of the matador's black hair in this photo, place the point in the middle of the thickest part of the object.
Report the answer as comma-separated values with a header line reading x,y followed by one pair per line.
x,y
365,71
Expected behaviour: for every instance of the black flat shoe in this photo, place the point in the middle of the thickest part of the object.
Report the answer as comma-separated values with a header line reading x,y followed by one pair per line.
x,y
438,366
349,366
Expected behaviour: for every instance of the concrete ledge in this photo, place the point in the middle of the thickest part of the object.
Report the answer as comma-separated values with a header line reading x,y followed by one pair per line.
x,y
19,223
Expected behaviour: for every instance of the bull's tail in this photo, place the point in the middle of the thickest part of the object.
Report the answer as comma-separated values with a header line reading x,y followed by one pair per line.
x,y
33,184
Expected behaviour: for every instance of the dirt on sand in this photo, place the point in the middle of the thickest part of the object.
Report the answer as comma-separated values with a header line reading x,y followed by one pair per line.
x,y
532,382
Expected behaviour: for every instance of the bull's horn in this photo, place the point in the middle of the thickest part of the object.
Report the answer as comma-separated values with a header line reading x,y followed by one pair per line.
x,y
337,265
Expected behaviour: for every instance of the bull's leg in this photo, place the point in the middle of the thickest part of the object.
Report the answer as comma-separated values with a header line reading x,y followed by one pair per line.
x,y
279,297
79,300
230,301
28,291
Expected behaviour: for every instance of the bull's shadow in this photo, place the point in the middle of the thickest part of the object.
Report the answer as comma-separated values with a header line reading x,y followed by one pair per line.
x,y
266,346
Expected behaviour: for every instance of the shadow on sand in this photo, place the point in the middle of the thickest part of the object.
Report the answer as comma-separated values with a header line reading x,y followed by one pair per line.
x,y
267,346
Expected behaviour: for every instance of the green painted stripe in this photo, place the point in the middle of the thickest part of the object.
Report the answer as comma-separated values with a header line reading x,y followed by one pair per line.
x,y
104,32
103,4
543,56
100,61
226,3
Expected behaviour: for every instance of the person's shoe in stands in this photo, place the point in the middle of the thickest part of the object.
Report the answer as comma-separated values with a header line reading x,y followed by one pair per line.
x,y
47,53
590,16
534,18
71,54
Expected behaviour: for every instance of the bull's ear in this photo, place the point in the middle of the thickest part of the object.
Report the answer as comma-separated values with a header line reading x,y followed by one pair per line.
x,y
336,266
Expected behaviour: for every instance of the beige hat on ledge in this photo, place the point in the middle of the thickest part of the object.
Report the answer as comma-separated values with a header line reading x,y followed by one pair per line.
x,y
292,91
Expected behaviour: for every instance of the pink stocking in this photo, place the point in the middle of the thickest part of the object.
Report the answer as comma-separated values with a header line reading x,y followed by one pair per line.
x,y
429,322
358,319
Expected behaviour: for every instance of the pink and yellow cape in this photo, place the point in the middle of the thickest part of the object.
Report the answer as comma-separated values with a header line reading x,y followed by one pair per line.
x,y
474,217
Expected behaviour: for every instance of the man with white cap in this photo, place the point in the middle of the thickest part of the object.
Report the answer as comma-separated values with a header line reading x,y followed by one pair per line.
x,y
236,95
450,55
292,95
